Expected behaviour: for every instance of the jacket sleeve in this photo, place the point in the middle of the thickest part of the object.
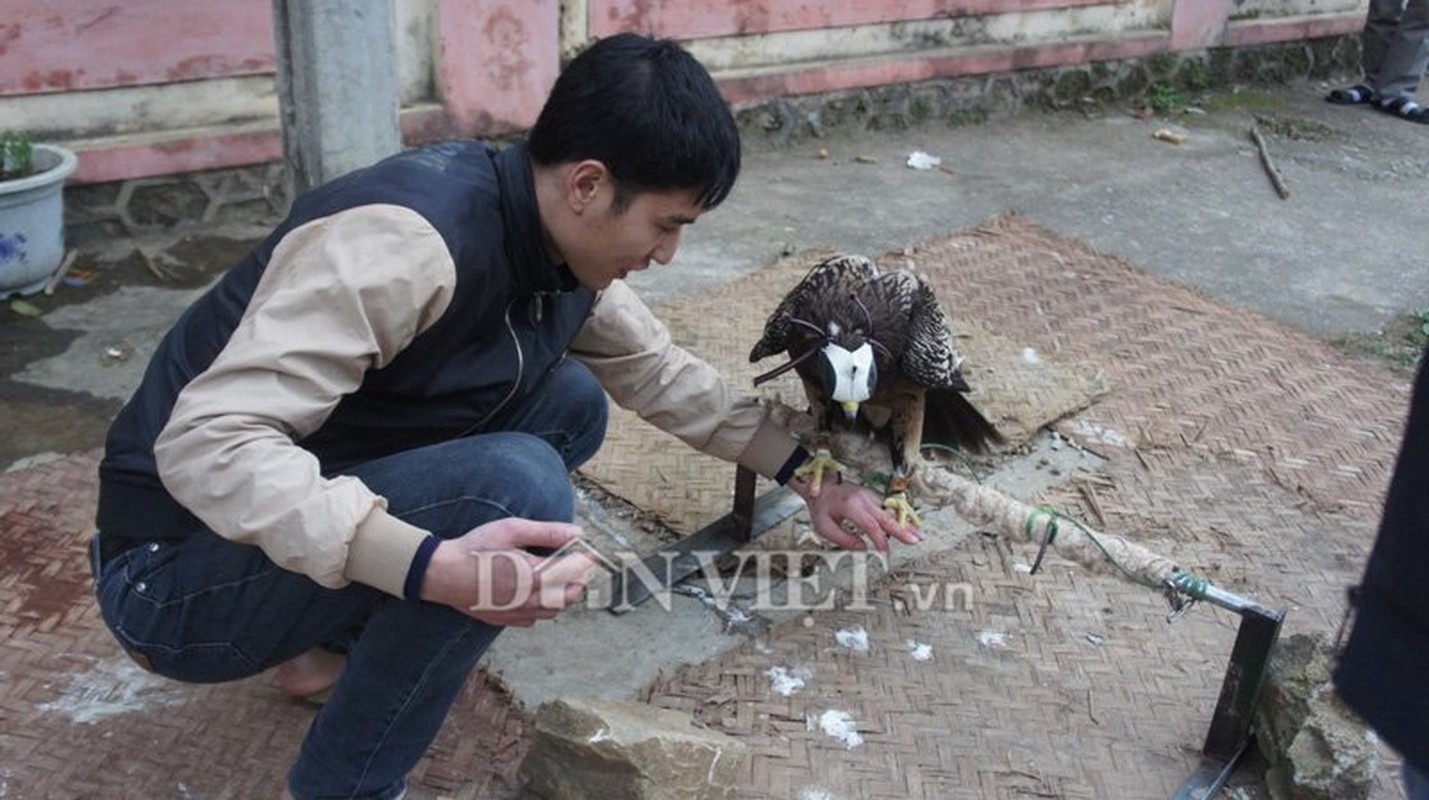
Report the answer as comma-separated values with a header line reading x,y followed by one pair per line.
x,y
340,295
630,352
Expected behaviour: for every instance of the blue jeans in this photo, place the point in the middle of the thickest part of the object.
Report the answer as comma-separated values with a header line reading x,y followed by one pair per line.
x,y
205,609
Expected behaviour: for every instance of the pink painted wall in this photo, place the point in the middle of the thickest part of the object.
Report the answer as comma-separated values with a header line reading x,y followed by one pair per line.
x,y
694,19
498,60
121,161
1255,32
495,61
1201,24
833,78
66,45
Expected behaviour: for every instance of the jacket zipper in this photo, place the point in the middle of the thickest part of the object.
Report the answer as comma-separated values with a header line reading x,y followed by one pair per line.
x,y
520,373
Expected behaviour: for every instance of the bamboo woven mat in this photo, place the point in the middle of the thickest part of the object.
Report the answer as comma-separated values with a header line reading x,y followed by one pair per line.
x,y
1017,387
1248,452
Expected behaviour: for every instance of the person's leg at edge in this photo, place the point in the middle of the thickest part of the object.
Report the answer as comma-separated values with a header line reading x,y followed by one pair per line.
x,y
1381,20
1405,52
1416,782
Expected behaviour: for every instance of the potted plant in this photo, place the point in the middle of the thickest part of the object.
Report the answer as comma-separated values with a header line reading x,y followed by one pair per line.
x,y
32,180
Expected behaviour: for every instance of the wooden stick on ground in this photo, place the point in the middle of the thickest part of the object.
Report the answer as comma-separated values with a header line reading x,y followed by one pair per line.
x,y
1268,164
152,264
61,272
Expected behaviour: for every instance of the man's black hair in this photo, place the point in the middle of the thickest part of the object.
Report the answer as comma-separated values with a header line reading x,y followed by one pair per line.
x,y
649,111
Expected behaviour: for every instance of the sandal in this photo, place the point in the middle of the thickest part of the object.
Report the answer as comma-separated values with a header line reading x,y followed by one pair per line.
x,y
1351,96
1405,108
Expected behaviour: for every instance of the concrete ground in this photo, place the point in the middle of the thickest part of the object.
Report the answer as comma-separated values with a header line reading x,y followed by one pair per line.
x,y
1344,253
1338,255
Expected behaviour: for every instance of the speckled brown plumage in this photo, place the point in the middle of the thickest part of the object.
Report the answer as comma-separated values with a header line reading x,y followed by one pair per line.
x,y
917,397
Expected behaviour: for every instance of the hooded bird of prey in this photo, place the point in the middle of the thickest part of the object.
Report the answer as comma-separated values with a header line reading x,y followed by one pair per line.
x,y
875,353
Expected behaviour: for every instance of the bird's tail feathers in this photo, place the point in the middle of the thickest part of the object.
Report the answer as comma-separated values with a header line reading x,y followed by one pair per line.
x,y
950,419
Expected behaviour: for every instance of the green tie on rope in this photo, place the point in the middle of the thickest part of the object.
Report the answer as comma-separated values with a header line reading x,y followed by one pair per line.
x,y
1191,585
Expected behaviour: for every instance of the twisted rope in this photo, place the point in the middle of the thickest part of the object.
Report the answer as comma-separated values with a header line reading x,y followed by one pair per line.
x,y
986,507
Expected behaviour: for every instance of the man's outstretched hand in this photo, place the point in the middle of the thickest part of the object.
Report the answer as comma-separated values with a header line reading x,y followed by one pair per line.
x,y
491,574
844,513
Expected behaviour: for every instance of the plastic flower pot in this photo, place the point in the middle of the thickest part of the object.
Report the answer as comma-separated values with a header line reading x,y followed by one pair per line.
x,y
32,222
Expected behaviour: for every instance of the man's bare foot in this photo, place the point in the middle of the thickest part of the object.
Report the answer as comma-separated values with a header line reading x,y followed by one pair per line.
x,y
311,673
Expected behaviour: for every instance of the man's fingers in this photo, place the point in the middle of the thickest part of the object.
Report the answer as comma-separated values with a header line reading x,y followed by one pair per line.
x,y
575,593
876,523
888,523
875,534
566,567
867,519
562,580
525,571
833,532
907,534
518,534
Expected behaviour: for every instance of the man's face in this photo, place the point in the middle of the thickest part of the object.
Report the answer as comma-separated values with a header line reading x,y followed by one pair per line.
x,y
609,245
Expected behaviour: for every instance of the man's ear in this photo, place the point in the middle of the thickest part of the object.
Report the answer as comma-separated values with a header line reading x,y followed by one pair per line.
x,y
586,182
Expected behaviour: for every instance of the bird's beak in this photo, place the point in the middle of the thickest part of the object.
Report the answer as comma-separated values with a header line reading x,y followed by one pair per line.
x,y
851,411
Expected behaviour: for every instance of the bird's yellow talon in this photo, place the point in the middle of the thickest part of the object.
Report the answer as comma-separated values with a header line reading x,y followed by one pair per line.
x,y
899,505
814,469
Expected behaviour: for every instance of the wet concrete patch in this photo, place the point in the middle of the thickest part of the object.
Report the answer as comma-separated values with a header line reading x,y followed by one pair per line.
x,y
36,419
65,373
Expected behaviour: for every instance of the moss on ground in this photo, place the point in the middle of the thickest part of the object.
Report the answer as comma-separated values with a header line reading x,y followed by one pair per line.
x,y
1399,345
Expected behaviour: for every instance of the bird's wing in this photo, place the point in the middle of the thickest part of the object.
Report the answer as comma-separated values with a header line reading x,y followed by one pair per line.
x,y
927,397
929,356
829,279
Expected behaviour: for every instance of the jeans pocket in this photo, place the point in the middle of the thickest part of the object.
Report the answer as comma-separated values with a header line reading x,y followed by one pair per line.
x,y
159,628
193,662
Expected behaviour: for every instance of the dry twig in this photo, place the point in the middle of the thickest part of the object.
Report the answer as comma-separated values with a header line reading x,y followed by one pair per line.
x,y
61,272
1268,164
154,267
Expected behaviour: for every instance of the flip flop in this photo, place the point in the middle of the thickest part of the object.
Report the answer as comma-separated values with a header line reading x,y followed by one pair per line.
x,y
1351,96
1405,108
